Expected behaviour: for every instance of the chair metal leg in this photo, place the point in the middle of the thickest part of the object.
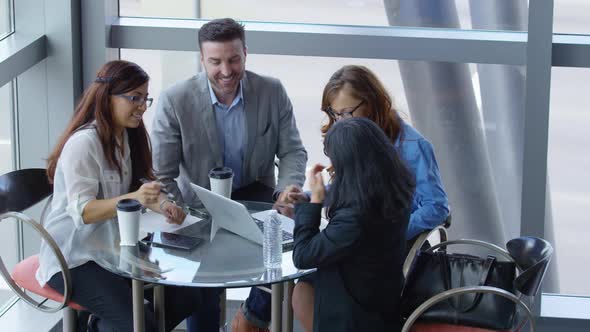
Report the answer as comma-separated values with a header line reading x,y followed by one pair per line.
x,y
276,309
69,320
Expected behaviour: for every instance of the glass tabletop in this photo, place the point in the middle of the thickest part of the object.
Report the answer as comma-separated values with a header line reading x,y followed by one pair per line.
x,y
227,261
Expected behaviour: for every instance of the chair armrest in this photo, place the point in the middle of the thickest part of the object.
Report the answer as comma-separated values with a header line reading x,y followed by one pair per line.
x,y
264,289
476,243
65,271
419,242
465,290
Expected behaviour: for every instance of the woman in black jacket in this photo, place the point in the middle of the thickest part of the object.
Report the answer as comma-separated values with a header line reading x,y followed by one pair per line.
x,y
359,255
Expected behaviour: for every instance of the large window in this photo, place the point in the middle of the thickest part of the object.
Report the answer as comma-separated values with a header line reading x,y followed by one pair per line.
x,y
568,162
464,109
571,16
9,243
437,13
5,17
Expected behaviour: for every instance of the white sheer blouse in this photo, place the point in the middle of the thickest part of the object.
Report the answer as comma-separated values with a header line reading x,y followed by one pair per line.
x,y
82,174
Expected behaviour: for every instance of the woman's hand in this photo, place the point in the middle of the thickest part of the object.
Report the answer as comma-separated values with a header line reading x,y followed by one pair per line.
x,y
174,213
316,183
148,193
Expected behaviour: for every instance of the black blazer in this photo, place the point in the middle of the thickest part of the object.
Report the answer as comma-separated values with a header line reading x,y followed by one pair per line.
x,y
359,268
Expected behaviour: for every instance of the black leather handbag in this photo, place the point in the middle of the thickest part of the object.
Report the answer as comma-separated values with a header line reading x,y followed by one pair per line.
x,y
434,273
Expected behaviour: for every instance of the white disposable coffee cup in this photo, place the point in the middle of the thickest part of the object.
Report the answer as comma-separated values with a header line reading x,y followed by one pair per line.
x,y
128,214
221,179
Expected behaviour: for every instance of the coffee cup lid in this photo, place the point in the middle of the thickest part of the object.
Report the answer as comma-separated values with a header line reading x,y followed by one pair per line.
x,y
128,205
221,173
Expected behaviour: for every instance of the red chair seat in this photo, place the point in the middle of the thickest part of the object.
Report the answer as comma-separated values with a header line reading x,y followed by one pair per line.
x,y
437,327
24,276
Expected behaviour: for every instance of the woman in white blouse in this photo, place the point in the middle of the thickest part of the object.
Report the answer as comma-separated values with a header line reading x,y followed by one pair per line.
x,y
98,161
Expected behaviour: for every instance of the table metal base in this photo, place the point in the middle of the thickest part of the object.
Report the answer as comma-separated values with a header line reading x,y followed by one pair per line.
x,y
281,309
159,305
276,323
138,313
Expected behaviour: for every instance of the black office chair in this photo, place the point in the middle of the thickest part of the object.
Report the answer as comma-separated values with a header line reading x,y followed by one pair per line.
x,y
420,241
20,190
531,256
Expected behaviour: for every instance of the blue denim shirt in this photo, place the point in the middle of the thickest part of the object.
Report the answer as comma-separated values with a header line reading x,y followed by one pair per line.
x,y
230,121
430,206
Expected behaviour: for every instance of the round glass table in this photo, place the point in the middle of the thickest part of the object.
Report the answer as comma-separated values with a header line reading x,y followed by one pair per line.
x,y
226,261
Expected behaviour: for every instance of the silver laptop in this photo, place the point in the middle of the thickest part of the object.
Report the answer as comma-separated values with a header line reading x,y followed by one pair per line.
x,y
234,217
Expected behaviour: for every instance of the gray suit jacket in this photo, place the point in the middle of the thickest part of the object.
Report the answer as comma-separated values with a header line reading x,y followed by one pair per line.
x,y
185,143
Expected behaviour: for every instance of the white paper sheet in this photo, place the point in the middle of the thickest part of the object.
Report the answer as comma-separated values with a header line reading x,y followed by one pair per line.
x,y
152,222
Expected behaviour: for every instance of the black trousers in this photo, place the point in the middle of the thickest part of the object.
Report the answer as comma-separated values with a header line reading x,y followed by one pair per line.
x,y
108,296
255,191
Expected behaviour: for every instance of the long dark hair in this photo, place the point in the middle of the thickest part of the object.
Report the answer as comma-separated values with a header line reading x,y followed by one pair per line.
x,y
368,174
365,86
113,78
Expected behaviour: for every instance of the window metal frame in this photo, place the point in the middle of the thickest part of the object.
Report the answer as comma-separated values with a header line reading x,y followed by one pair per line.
x,y
104,33
10,20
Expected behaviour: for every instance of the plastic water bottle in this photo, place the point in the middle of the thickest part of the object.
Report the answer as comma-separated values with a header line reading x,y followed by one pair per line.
x,y
272,247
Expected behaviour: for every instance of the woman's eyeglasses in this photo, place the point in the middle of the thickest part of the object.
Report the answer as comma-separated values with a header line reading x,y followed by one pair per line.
x,y
343,114
137,100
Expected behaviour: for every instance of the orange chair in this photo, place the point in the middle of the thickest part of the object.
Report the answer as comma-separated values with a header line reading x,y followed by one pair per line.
x,y
20,190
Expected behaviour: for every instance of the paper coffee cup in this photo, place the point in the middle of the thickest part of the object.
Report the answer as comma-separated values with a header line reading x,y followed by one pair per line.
x,y
128,213
221,179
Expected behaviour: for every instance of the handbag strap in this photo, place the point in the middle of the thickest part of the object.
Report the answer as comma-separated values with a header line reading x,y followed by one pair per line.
x,y
446,275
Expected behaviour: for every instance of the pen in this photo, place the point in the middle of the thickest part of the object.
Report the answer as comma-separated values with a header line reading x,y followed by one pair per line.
x,y
187,209
162,189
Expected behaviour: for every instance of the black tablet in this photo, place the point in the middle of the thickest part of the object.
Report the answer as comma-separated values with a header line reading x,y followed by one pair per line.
x,y
172,240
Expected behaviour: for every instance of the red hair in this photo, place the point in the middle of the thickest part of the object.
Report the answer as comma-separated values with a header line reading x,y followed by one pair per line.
x,y
365,86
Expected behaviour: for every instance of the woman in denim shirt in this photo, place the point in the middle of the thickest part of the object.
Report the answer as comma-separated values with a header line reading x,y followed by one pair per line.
x,y
355,91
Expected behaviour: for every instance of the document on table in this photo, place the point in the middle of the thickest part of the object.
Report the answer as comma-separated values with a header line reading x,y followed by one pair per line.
x,y
153,222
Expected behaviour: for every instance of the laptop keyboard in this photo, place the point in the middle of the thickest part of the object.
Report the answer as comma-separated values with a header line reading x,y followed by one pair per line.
x,y
286,236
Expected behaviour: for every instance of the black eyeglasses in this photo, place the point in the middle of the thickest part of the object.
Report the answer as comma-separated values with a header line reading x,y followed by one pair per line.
x,y
342,115
138,101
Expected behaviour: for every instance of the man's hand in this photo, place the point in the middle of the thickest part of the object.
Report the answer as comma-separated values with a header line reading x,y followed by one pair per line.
x,y
291,195
241,324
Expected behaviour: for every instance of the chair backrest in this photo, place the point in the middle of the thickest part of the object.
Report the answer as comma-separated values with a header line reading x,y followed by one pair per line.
x,y
532,255
19,190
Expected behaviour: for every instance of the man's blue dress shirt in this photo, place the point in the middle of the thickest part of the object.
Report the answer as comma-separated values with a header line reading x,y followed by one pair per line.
x,y
230,121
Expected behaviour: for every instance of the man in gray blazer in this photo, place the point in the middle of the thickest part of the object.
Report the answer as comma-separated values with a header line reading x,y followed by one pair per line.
x,y
226,116
195,130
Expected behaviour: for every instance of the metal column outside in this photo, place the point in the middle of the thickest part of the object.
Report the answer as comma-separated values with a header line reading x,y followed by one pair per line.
x,y
138,314
276,309
159,305
443,108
